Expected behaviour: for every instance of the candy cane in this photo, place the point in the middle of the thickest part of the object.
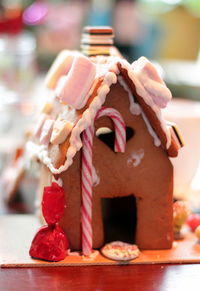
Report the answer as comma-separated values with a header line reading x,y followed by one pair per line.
x,y
120,141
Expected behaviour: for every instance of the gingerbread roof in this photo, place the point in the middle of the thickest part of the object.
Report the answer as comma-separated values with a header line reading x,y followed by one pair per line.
x,y
63,119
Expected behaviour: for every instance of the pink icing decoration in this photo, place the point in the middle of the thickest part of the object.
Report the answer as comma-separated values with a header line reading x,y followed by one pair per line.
x,y
72,92
152,82
46,132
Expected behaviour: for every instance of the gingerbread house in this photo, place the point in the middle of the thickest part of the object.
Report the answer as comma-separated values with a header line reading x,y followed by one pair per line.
x,y
102,136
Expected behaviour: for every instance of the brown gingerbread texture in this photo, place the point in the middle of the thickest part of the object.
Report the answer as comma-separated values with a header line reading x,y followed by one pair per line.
x,y
132,195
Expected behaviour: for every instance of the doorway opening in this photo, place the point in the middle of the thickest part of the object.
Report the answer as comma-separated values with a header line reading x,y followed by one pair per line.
x,y
119,218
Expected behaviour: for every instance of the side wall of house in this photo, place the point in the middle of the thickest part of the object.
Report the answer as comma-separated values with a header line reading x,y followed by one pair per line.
x,y
144,170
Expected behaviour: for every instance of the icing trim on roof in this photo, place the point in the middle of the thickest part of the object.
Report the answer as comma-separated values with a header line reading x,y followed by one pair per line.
x,y
135,109
112,68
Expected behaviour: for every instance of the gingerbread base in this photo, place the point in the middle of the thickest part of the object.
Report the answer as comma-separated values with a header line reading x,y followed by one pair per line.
x,y
17,231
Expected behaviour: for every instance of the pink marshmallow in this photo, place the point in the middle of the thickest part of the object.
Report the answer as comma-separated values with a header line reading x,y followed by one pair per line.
x,y
46,132
60,66
73,89
152,82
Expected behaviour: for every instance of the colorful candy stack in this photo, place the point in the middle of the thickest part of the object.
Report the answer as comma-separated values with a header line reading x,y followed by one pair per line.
x,y
97,40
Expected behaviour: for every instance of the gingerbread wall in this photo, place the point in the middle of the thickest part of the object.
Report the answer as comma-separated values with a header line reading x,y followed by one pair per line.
x,y
144,171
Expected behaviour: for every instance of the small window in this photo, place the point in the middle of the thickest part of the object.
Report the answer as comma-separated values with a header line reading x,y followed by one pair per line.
x,y
107,135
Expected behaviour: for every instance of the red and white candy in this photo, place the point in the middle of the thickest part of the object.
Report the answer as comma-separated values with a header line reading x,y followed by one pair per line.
x,y
87,181
74,93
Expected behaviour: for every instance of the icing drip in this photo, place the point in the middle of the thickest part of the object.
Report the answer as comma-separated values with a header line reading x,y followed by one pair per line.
x,y
95,177
134,107
73,254
157,141
148,100
92,256
59,181
135,158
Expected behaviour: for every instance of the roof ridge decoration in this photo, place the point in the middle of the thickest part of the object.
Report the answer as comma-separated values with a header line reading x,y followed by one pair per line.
x,y
142,82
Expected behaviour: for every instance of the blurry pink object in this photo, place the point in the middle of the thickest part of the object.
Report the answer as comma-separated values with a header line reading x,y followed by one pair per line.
x,y
152,82
61,28
35,14
128,23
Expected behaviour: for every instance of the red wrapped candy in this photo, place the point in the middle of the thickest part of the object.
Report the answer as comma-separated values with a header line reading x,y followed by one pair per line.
x,y
50,242
53,203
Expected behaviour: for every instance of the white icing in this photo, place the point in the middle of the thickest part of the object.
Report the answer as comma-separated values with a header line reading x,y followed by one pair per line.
x,y
157,141
95,177
59,181
88,115
68,114
148,100
73,254
135,158
135,108
92,256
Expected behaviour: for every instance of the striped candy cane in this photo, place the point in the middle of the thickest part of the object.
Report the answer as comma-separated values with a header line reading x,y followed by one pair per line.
x,y
120,141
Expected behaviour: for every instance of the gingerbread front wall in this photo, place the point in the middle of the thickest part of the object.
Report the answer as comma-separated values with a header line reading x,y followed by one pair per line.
x,y
144,171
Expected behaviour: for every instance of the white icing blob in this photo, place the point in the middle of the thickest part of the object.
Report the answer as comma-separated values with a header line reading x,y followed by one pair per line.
x,y
59,181
135,158
157,141
95,177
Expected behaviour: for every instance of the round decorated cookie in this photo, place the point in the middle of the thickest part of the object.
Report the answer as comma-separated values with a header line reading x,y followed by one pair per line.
x,y
120,251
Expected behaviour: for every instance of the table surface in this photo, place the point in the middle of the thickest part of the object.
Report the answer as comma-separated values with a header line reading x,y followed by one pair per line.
x,y
158,277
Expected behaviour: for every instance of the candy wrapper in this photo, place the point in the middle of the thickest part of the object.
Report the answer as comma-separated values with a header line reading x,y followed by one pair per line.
x,y
50,242
53,203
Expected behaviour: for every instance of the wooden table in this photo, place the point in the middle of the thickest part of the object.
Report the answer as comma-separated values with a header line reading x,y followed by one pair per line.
x,y
137,277
159,277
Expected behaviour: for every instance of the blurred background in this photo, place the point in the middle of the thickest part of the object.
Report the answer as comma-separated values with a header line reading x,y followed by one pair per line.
x,y
33,32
